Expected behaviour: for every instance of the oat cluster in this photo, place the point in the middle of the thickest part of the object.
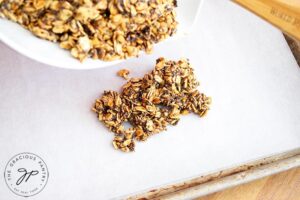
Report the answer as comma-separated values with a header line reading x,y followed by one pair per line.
x,y
102,29
151,103
123,73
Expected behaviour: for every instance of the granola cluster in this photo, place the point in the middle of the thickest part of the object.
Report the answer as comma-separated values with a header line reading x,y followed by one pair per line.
x,y
151,103
123,73
102,29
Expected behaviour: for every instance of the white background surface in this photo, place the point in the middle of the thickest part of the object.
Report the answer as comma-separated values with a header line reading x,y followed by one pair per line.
x,y
242,62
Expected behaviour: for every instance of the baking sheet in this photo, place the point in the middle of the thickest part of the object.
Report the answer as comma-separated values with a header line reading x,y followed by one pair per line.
x,y
226,178
242,62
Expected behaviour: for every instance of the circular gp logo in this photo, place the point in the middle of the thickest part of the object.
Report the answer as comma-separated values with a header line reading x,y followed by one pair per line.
x,y
26,174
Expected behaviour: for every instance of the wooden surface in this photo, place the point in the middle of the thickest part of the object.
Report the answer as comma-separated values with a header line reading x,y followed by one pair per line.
x,y
295,47
282,186
285,14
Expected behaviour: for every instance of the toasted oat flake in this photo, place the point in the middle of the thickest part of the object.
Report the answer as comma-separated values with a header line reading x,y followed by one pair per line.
x,y
123,73
151,103
103,29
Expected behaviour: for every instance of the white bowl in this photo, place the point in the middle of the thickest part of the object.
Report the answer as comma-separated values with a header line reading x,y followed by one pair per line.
x,y
50,53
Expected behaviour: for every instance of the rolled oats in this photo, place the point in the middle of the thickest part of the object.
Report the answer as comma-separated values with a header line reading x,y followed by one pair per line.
x,y
102,29
151,103
123,73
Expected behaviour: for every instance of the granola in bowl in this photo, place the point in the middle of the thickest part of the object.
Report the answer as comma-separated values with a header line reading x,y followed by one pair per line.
x,y
105,29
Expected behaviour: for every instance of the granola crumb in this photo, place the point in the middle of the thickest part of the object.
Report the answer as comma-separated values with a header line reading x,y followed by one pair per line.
x,y
123,73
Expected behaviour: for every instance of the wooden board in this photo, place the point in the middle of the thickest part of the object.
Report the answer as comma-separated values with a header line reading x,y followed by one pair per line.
x,y
295,47
283,14
282,186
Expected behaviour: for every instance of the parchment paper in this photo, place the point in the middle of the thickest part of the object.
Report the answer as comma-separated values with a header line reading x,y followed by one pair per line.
x,y
243,63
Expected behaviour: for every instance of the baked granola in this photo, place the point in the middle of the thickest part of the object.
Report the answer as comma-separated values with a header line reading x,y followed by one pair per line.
x,y
103,29
123,73
151,103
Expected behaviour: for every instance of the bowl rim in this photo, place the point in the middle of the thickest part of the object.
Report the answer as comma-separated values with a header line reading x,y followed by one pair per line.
x,y
21,49
51,62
